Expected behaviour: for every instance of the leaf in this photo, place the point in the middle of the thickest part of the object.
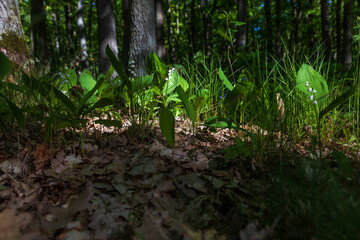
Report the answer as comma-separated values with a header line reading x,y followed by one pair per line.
x,y
17,112
239,23
5,67
188,106
109,123
338,101
223,34
64,99
155,64
116,63
315,81
83,100
104,102
225,80
167,125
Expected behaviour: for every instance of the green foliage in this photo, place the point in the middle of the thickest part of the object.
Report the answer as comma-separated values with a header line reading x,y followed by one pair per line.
x,y
167,125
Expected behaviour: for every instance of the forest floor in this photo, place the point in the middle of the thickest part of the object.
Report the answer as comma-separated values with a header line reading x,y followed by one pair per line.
x,y
128,184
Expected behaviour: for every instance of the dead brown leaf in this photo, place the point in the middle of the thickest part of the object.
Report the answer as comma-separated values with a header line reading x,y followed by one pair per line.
x,y
42,156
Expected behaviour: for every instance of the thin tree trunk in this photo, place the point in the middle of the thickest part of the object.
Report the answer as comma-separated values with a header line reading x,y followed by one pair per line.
x,y
338,31
84,62
348,25
205,25
68,24
268,26
325,26
193,29
170,32
107,32
38,25
160,38
310,27
241,34
89,25
278,29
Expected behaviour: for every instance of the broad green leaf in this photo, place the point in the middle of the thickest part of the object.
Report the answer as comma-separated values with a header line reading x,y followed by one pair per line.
x,y
84,99
155,64
167,125
110,123
171,83
87,82
338,101
18,113
117,64
307,75
4,67
183,83
188,106
238,95
64,99
104,102
224,35
239,23
225,80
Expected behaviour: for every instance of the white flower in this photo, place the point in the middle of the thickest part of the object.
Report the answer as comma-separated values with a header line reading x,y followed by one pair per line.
x,y
310,90
311,97
306,84
315,102
314,91
166,79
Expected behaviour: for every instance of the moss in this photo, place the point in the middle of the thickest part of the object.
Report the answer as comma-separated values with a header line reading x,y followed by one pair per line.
x,y
14,43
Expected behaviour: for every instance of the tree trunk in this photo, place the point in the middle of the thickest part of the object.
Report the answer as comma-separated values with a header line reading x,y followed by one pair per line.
x,y
192,26
38,26
12,39
278,29
170,32
205,25
310,27
160,38
268,26
68,24
338,31
325,27
241,30
106,31
89,25
84,62
142,32
348,25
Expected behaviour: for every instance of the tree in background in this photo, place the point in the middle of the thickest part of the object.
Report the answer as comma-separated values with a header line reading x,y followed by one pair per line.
x,y
348,25
141,33
81,26
268,26
12,39
160,36
38,27
107,32
241,30
278,29
325,27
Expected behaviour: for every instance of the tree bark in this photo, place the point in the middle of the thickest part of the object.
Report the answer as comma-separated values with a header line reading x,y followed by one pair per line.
x,y
142,34
278,29
84,62
348,25
106,31
38,26
192,27
205,20
325,27
268,26
338,31
68,24
160,36
170,32
12,39
241,34
310,27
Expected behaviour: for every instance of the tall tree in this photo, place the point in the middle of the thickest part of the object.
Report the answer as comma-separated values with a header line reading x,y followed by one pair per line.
x,y
310,27
268,26
84,62
241,30
142,32
69,30
12,39
204,5
338,31
348,25
160,36
38,26
170,32
106,31
325,27
278,28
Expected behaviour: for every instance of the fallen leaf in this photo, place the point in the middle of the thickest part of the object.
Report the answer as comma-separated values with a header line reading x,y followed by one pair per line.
x,y
12,224
42,156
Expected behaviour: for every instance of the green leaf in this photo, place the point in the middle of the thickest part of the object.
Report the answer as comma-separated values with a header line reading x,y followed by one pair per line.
x,y
167,125
4,67
116,63
110,123
171,83
18,113
307,74
84,99
104,102
188,106
64,99
225,80
155,64
239,23
224,35
338,101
